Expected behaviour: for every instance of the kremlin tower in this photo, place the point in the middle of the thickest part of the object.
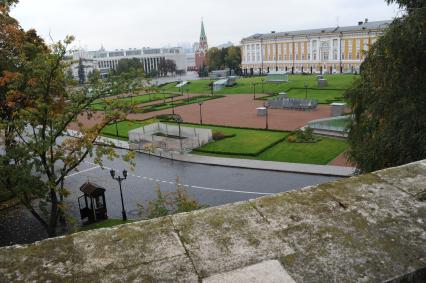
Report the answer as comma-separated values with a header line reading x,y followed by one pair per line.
x,y
201,52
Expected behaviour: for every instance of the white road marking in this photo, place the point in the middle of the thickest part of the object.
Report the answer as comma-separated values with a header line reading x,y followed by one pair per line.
x,y
79,172
174,183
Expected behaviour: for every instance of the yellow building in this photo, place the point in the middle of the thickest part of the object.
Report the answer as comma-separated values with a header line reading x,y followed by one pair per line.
x,y
327,50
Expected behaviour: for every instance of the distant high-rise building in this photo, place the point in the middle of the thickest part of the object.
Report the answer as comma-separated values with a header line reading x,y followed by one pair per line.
x,y
201,52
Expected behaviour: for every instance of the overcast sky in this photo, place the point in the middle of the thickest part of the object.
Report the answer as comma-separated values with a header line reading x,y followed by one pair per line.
x,y
156,23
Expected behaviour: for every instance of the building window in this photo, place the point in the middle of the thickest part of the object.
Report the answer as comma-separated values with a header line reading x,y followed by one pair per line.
x,y
343,56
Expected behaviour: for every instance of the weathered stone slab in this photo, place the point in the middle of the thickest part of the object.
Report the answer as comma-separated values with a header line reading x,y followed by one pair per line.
x,y
47,261
270,271
350,230
410,178
224,238
126,245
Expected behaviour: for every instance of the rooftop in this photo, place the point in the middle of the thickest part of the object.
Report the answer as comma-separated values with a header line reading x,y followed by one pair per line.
x,y
362,26
369,228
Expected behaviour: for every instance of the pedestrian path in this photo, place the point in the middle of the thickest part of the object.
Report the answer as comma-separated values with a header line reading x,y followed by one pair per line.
x,y
238,163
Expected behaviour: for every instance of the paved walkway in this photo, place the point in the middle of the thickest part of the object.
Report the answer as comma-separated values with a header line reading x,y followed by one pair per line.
x,y
239,110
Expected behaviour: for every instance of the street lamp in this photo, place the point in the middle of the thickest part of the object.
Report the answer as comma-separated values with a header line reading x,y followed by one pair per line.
x,y
173,106
120,179
306,90
201,116
266,105
262,79
254,91
212,82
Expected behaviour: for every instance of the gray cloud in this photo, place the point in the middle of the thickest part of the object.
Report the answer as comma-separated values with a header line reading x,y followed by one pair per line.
x,y
132,23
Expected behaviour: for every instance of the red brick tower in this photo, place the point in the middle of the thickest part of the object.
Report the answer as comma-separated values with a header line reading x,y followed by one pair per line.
x,y
201,52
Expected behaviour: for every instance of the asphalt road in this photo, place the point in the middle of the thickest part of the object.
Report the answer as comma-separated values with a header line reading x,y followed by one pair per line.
x,y
210,185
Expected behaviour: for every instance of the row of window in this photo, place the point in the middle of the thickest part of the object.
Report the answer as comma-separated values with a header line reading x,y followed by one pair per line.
x,y
252,51
149,63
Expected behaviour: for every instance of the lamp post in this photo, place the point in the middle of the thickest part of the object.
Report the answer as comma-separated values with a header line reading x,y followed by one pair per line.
x,y
254,91
116,128
263,90
201,116
120,179
306,90
267,118
212,82
173,106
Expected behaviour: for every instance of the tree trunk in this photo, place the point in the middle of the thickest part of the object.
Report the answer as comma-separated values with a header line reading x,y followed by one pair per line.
x,y
51,229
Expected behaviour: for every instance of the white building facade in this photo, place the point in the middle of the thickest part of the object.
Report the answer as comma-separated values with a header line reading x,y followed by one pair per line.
x,y
327,50
105,61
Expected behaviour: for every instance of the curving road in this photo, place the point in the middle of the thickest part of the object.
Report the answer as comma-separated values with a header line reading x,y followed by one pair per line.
x,y
210,185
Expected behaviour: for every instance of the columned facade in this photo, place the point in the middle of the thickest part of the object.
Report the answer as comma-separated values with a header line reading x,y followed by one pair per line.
x,y
328,50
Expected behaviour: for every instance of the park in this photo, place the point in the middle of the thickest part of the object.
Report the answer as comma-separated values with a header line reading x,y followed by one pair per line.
x,y
231,112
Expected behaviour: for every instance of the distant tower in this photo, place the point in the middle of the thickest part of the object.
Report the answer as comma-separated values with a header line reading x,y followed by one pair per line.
x,y
201,52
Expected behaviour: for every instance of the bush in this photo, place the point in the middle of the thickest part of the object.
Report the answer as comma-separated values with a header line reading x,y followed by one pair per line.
x,y
168,203
303,136
292,139
217,136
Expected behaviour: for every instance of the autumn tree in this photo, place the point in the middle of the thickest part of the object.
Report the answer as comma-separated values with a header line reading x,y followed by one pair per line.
x,y
389,99
37,109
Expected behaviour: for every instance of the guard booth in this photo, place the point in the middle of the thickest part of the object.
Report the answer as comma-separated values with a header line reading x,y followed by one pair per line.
x,y
92,204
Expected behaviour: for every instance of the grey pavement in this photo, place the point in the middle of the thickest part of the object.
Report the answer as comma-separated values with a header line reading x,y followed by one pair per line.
x,y
209,185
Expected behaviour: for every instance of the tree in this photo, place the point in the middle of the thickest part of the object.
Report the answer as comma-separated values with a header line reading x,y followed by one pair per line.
x,y
389,99
37,108
94,76
81,72
130,66
233,57
166,66
215,61
203,71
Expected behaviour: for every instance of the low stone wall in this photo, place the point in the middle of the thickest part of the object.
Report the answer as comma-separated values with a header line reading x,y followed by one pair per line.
x,y
369,228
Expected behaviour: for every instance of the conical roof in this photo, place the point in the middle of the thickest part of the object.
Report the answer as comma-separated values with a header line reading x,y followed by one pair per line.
x,y
203,33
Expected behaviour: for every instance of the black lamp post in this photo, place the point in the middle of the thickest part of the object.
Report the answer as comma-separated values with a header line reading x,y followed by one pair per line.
x,y
116,128
212,87
120,179
173,106
254,91
306,90
267,118
201,116
263,90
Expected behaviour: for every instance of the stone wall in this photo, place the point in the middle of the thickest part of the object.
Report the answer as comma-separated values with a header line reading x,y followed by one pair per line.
x,y
369,228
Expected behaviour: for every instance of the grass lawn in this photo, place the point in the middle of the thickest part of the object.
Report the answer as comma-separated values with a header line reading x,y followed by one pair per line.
x,y
322,95
320,153
176,103
105,224
99,103
123,128
253,144
245,141
245,85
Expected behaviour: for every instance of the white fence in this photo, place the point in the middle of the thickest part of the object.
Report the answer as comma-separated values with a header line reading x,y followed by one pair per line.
x,y
166,136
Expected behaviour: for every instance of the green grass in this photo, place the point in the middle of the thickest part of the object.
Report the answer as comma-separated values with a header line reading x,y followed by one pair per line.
x,y
245,141
320,153
177,103
140,99
105,224
123,128
271,146
252,144
322,95
245,85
